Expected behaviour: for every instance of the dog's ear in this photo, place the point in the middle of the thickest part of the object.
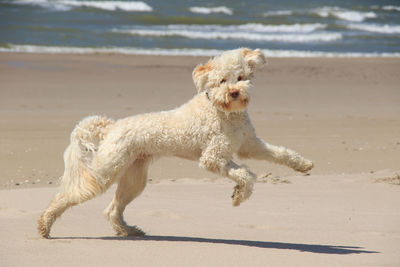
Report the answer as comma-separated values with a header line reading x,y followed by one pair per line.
x,y
254,58
200,76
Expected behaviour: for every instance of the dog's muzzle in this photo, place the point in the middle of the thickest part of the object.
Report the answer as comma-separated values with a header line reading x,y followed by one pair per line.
x,y
234,94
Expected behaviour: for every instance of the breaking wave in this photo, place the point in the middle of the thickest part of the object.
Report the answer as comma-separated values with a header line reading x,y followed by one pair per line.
x,y
385,29
278,13
294,33
209,10
289,38
65,5
391,8
250,27
344,14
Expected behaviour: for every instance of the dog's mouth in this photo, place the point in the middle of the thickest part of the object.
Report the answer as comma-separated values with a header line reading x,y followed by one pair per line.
x,y
231,99
236,105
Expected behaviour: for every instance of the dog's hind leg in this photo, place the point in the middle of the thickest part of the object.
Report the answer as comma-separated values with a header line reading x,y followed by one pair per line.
x,y
130,185
73,192
57,206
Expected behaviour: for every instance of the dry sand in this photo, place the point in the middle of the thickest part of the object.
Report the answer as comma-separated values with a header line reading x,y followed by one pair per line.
x,y
342,113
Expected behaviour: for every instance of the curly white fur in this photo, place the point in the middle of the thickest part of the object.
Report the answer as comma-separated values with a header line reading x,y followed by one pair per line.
x,y
210,128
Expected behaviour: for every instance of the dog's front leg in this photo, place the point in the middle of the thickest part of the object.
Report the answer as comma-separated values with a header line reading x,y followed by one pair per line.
x,y
255,148
243,177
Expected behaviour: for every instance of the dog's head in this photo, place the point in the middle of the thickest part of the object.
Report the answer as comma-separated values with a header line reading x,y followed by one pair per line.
x,y
226,78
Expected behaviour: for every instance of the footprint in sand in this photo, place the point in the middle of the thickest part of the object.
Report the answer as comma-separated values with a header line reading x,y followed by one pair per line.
x,y
394,179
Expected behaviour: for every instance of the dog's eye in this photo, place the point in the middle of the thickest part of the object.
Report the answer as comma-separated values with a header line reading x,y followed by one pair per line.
x,y
223,80
240,78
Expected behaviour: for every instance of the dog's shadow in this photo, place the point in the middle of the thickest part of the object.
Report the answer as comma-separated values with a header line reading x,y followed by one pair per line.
x,y
322,249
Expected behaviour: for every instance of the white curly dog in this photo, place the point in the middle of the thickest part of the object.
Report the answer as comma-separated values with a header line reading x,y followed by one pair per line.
x,y
211,128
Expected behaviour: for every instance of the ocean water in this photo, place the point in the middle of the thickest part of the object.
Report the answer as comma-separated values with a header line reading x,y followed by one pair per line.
x,y
170,27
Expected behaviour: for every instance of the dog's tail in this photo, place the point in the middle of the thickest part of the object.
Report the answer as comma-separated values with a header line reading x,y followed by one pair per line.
x,y
77,181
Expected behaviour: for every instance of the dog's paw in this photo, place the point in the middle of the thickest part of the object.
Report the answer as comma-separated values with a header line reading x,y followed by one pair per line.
x,y
239,195
241,192
236,196
305,167
130,231
43,228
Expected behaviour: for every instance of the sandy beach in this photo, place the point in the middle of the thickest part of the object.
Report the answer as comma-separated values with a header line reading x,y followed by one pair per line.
x,y
343,113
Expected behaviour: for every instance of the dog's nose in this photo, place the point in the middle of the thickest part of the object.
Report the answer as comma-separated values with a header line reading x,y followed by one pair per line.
x,y
234,94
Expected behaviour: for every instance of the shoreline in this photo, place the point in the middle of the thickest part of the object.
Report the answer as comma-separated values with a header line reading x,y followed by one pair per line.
x,y
129,51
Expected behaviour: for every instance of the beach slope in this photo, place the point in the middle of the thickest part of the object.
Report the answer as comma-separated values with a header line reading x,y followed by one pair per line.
x,y
343,113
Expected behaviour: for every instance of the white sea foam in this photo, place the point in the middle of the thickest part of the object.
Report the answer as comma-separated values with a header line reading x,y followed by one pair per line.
x,y
385,29
209,10
294,33
109,50
284,28
112,5
277,13
289,38
176,52
236,35
65,5
53,5
391,8
344,14
250,27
